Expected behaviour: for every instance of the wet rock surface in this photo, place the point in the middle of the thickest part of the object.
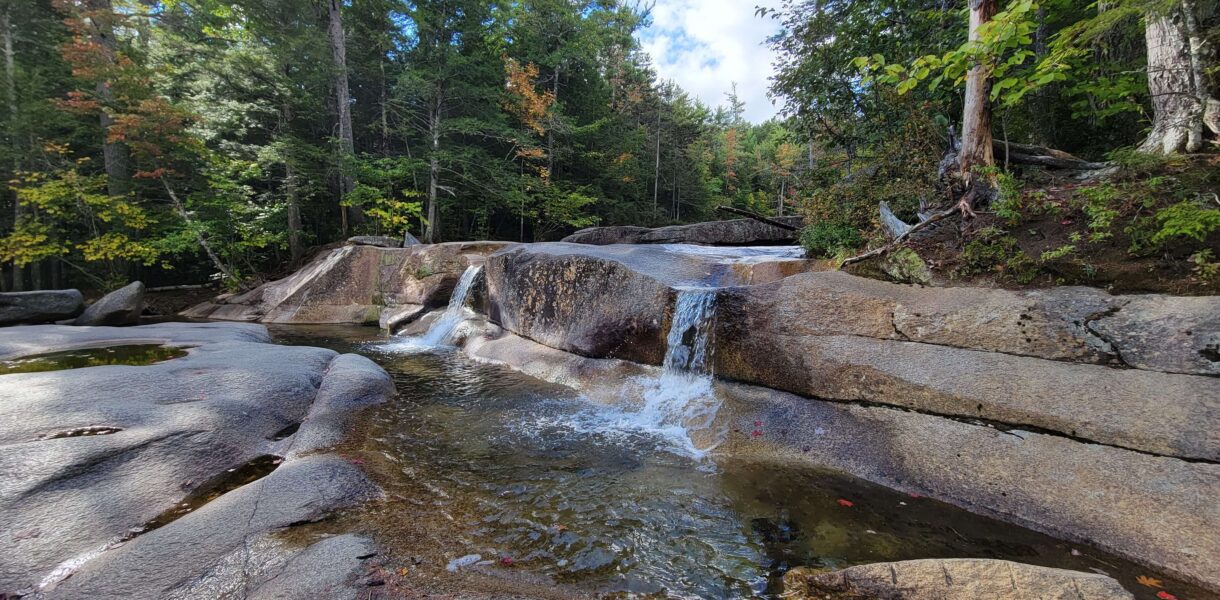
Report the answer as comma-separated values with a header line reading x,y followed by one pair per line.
x,y
157,432
380,241
733,232
120,307
354,284
1152,509
952,579
39,307
614,301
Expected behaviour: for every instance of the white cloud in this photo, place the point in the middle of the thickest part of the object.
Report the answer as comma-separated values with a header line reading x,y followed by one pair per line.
x,y
707,45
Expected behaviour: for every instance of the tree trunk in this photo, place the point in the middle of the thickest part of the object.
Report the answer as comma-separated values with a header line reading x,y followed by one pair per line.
x,y
550,131
114,154
338,49
295,248
656,176
199,236
976,148
434,172
10,95
1182,102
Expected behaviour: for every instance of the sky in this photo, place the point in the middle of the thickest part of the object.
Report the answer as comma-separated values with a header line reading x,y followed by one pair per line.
x,y
706,45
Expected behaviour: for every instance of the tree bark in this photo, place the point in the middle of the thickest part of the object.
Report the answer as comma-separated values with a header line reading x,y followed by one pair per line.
x,y
434,172
114,154
10,94
976,149
295,248
1183,106
338,49
199,237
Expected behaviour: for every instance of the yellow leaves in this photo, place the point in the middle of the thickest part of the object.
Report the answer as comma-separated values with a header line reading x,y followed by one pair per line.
x,y
1147,581
525,102
112,245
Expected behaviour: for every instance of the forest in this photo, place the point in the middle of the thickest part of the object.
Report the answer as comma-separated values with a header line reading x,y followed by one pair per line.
x,y
184,141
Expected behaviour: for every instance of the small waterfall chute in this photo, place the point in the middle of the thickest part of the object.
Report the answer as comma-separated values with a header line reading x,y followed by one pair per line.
x,y
441,332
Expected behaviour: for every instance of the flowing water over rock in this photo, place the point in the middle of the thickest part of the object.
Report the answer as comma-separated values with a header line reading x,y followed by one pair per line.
x,y
478,459
441,332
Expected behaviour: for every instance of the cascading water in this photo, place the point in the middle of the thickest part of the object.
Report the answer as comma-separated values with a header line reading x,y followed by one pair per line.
x,y
441,332
679,406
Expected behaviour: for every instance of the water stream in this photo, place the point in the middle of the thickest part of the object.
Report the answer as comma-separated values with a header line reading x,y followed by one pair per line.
x,y
478,459
440,333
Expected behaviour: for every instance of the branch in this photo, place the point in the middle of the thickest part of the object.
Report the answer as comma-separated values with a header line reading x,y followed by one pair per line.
x,y
902,238
757,217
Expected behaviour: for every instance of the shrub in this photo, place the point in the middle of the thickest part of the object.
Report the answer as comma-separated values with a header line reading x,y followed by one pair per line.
x,y
826,239
1186,220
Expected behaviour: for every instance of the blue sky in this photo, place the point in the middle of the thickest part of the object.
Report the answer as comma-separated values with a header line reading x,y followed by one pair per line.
x,y
706,45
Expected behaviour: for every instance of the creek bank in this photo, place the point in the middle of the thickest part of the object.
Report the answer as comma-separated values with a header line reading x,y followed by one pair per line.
x,y
77,505
952,579
355,284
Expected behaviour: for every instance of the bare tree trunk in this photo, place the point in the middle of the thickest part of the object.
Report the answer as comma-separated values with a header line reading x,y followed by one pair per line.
x,y
295,248
1182,103
199,236
114,154
10,94
656,176
338,50
385,121
550,131
976,117
434,172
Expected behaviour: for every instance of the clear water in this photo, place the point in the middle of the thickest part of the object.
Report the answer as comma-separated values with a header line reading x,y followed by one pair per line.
x,y
129,354
480,459
442,331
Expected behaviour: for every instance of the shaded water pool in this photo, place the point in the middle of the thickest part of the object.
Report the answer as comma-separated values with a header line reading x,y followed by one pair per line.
x,y
479,459
127,354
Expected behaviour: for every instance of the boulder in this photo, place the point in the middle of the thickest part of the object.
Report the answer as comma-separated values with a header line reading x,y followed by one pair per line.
x,y
734,232
1164,333
355,284
614,301
94,452
39,307
379,241
120,307
952,579
1161,413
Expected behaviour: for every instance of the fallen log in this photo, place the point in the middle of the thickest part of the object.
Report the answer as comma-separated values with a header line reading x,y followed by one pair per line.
x,y
757,217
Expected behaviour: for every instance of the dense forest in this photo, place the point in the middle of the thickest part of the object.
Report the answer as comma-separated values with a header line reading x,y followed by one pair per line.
x,y
182,140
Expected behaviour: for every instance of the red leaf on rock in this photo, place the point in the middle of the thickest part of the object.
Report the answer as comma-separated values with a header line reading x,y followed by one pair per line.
x,y
1166,596
756,433
847,503
506,561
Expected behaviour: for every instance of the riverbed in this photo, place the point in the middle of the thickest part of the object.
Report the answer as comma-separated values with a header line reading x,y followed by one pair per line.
x,y
502,483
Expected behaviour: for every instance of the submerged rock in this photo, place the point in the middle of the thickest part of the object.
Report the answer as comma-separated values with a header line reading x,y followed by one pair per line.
x,y
733,232
39,307
120,307
952,579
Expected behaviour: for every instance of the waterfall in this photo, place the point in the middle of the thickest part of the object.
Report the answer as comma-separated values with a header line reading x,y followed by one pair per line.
x,y
680,404
441,332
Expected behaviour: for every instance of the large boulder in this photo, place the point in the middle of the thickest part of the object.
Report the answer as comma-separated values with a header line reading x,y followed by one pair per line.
x,y
93,454
952,579
120,307
355,284
734,232
39,307
614,301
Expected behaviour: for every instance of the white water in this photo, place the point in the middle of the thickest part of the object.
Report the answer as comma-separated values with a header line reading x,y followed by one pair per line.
x,y
441,332
677,407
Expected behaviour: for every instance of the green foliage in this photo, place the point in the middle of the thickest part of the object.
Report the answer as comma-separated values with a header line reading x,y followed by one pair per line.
x,y
1190,220
994,251
827,239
